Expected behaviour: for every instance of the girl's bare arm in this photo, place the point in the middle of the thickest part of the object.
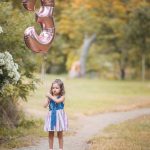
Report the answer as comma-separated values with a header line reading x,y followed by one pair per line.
x,y
59,100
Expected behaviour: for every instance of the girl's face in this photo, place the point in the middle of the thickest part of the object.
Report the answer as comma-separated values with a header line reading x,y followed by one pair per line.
x,y
55,89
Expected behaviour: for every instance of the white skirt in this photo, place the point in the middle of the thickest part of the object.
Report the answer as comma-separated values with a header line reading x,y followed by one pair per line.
x,y
61,121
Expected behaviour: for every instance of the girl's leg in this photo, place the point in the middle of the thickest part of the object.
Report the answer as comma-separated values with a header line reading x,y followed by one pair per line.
x,y
51,139
60,139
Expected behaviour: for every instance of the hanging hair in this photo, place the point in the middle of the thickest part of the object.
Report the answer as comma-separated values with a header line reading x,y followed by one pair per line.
x,y
61,85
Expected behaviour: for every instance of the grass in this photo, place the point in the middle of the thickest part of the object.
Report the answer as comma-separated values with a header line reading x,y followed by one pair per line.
x,y
91,96
83,96
24,135
135,136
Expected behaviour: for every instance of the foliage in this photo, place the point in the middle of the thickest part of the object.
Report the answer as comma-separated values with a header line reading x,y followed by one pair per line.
x,y
139,27
116,24
12,41
8,70
24,135
110,20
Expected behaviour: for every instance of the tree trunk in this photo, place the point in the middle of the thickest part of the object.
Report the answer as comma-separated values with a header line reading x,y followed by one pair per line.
x,y
123,73
88,40
43,70
122,67
143,66
123,64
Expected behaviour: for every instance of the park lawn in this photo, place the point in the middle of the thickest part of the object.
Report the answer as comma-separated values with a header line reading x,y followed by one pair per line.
x,y
92,96
130,135
83,96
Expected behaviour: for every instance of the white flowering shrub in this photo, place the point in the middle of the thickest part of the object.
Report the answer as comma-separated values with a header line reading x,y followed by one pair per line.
x,y
8,70
1,30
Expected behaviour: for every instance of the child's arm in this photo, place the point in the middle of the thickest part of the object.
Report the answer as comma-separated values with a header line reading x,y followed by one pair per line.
x,y
59,100
46,103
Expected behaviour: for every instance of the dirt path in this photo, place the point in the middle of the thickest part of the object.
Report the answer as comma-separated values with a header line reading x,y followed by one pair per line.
x,y
90,126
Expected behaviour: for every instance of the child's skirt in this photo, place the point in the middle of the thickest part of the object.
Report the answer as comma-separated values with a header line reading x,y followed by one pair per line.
x,y
61,121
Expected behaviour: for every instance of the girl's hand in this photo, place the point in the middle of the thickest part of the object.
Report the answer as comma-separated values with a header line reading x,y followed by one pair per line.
x,y
49,96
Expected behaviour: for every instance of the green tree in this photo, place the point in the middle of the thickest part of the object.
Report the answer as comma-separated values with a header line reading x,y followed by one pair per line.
x,y
139,32
12,41
79,22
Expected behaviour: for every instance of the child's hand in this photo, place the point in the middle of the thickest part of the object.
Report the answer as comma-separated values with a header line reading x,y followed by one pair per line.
x,y
49,95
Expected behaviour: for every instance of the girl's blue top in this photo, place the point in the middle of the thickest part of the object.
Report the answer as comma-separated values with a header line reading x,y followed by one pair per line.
x,y
53,106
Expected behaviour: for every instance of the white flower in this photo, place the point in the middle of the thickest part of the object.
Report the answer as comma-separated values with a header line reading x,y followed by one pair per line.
x,y
1,30
2,62
1,55
8,56
8,69
16,66
17,76
10,74
1,71
6,81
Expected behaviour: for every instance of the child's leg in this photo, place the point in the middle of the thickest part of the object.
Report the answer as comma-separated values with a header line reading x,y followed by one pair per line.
x,y
60,139
51,139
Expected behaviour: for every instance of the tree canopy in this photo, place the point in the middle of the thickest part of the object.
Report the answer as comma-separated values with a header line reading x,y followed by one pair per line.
x,y
121,28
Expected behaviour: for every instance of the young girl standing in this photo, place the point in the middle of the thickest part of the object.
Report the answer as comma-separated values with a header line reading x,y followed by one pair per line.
x,y
56,119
